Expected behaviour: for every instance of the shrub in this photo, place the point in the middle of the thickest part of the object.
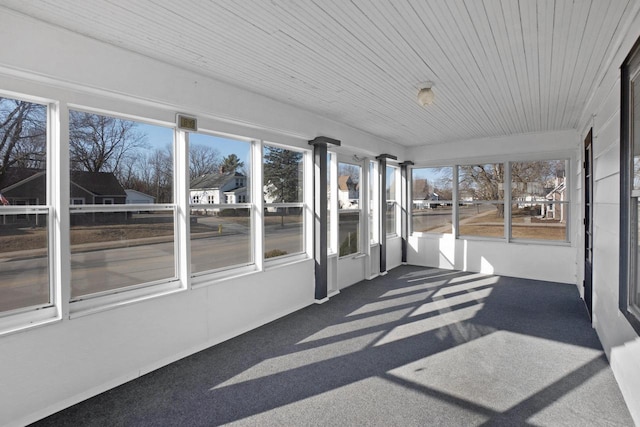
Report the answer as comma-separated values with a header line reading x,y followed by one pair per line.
x,y
274,253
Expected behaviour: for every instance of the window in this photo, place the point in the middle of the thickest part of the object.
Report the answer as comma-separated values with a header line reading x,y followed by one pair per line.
x,y
283,179
349,208
392,192
432,204
24,207
374,229
114,245
630,189
220,233
331,242
539,200
481,200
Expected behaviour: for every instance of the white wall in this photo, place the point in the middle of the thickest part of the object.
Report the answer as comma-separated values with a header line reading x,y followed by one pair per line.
x,y
620,341
528,260
45,369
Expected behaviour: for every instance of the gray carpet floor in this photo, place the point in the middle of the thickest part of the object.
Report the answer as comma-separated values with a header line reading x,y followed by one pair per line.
x,y
417,347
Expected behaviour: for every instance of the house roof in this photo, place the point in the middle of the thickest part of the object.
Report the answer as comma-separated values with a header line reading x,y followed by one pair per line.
x,y
213,180
13,176
344,181
98,183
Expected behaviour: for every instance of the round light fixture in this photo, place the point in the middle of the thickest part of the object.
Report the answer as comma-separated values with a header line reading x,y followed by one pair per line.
x,y
425,94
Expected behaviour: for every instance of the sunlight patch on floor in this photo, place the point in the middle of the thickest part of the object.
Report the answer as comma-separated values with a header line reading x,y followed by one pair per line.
x,y
413,288
472,276
434,276
433,323
390,303
298,359
368,322
444,304
452,289
497,371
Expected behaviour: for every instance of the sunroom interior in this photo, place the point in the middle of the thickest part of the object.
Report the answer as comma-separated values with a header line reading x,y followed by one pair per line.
x,y
175,174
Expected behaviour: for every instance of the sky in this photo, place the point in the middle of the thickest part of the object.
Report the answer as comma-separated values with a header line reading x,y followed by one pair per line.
x,y
161,137
433,174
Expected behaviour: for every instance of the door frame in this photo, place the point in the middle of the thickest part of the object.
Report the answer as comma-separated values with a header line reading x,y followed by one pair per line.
x,y
587,221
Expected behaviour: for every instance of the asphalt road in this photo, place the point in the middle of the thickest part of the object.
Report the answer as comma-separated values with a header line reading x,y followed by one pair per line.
x,y
24,282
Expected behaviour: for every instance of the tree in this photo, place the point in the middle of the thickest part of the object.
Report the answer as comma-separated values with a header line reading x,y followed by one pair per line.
x,y
484,182
231,164
203,160
100,143
22,135
282,174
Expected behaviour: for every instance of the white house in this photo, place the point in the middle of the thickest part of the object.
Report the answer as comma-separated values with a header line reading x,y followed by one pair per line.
x,y
218,189
135,197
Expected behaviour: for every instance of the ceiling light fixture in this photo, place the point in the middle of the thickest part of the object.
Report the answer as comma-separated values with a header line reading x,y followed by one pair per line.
x,y
425,94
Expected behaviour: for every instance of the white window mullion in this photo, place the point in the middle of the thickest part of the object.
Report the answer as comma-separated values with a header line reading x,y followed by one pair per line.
x,y
456,203
58,184
182,209
308,220
257,195
507,201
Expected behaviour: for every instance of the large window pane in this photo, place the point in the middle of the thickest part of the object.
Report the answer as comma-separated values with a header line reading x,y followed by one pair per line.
x,y
24,257
283,179
481,200
373,202
540,200
221,239
283,231
349,212
24,261
283,175
392,202
110,155
349,232
113,250
432,205
219,172
116,162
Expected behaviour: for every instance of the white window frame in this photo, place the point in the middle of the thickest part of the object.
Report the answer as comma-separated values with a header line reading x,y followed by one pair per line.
x,y
361,228
99,301
16,320
396,201
211,275
305,206
507,202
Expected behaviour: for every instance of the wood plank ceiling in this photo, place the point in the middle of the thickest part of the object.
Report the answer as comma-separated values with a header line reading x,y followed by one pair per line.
x,y
500,67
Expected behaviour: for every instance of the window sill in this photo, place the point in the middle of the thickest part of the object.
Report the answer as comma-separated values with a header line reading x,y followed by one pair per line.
x,y
126,297
633,320
353,256
25,321
285,260
220,276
